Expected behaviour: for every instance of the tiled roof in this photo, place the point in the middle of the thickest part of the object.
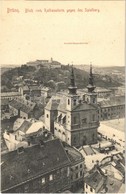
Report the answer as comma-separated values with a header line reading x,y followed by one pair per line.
x,y
25,126
94,178
4,102
35,127
34,87
45,89
113,102
23,106
73,154
32,162
10,94
52,104
99,89
113,185
25,88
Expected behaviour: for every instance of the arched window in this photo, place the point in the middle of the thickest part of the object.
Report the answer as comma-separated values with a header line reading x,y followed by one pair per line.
x,y
68,101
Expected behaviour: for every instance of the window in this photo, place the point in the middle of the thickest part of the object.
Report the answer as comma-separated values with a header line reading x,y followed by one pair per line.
x,y
68,101
81,173
91,189
74,102
84,120
50,177
43,181
77,176
47,116
76,167
80,165
86,186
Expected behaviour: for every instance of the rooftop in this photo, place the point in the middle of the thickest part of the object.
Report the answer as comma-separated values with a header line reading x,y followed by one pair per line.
x,y
113,185
53,104
23,164
73,154
23,105
114,101
10,94
94,179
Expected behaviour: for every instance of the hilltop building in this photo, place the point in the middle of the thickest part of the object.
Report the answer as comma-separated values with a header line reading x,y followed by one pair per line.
x,y
73,120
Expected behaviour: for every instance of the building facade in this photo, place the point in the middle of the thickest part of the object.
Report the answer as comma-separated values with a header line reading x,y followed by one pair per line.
x,y
38,169
113,108
71,119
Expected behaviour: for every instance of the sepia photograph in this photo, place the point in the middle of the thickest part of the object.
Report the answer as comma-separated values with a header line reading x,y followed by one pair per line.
x,y
62,96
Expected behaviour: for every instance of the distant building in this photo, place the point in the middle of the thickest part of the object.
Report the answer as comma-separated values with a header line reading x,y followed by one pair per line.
x,y
114,166
94,182
107,176
22,107
25,133
30,90
10,95
4,105
111,108
103,92
43,168
45,63
35,93
71,119
45,92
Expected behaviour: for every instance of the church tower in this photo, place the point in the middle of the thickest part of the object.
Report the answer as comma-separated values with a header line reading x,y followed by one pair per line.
x,y
72,97
91,96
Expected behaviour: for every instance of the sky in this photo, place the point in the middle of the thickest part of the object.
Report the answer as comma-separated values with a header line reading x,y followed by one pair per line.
x,y
75,37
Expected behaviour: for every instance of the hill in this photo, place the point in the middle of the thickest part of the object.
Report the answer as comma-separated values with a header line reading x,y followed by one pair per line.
x,y
51,76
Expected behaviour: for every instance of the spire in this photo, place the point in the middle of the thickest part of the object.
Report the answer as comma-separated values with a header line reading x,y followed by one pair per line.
x,y
72,87
91,86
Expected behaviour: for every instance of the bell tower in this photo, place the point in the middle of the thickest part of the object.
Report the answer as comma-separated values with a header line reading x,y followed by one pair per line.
x,y
91,96
72,97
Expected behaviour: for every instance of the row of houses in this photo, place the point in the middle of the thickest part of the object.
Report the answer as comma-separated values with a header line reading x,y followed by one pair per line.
x,y
21,108
108,176
45,167
111,108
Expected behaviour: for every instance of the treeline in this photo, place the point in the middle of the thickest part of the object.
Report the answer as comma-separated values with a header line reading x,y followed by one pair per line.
x,y
49,77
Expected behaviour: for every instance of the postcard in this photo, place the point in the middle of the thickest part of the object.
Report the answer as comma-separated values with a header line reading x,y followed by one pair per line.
x,y
62,96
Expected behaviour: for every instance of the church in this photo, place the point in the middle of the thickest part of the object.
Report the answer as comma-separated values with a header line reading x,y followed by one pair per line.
x,y
74,119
